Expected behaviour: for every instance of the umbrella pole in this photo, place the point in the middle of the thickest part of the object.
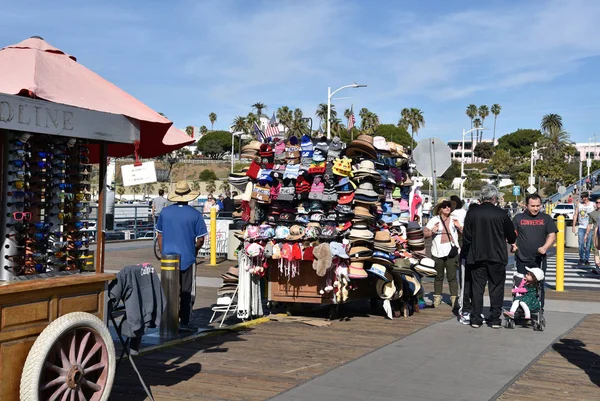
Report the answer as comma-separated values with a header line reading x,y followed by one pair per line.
x,y
101,215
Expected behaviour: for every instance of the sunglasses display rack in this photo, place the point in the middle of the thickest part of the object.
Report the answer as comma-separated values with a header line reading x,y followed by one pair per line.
x,y
47,196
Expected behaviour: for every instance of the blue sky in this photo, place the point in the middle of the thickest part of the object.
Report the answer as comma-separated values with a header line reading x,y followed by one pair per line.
x,y
189,58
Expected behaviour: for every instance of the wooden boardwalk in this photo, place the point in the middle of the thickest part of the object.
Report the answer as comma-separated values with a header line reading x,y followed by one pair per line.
x,y
266,360
569,370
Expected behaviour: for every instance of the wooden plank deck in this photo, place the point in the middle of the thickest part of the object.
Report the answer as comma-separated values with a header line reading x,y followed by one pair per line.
x,y
266,360
569,370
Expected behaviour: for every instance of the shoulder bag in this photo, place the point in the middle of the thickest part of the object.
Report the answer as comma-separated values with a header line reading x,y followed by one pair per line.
x,y
454,250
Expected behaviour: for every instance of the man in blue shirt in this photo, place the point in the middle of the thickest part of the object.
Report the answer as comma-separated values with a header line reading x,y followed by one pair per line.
x,y
181,230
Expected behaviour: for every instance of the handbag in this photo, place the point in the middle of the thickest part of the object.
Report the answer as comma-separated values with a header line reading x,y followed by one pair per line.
x,y
454,250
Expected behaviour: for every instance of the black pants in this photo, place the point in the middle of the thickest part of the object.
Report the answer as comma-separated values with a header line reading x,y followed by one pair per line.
x,y
493,274
542,264
187,293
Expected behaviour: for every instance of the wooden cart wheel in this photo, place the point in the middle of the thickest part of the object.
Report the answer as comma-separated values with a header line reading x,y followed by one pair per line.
x,y
72,359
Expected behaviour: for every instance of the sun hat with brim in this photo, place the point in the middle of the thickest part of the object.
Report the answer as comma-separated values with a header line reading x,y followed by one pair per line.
x,y
378,270
442,203
366,167
413,283
359,253
425,268
183,193
384,257
361,234
367,189
357,271
361,211
537,272
386,289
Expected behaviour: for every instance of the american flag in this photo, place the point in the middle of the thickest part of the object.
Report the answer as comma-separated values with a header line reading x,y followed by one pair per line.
x,y
272,128
351,119
260,136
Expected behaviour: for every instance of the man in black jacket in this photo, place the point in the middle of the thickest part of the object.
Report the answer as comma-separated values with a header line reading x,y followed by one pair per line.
x,y
487,229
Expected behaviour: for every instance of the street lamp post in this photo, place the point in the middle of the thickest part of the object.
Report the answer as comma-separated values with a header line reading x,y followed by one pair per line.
x,y
233,135
329,96
462,159
533,152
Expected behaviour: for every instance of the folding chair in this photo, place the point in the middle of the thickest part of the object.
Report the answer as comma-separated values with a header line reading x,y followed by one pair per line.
x,y
232,307
116,305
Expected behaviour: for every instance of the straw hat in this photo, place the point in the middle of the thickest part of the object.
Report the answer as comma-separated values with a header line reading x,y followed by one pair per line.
x,y
442,202
183,193
386,289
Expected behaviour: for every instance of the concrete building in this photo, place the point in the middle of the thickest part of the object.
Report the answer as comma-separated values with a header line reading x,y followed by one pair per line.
x,y
456,148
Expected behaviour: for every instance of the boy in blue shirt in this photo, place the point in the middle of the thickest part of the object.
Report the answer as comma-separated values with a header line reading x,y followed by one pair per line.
x,y
181,230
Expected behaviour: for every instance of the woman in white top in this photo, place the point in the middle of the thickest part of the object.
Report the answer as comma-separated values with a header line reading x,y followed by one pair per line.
x,y
444,230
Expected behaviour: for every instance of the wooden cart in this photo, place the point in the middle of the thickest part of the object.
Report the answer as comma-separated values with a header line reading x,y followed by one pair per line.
x,y
53,330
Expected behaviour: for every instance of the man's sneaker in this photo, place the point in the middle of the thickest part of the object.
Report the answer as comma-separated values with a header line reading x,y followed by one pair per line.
x,y
482,319
188,327
596,270
475,326
580,262
587,263
465,318
496,326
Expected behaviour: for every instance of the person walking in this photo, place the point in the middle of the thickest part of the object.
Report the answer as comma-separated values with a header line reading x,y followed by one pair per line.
x,y
181,230
158,204
536,232
487,229
426,211
444,229
594,224
580,223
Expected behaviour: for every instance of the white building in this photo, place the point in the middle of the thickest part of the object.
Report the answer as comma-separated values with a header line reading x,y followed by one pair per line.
x,y
456,148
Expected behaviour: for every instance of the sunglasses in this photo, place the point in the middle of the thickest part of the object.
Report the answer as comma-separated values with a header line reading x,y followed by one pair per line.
x,y
19,204
19,163
20,216
84,150
62,186
21,194
22,144
43,155
82,168
42,226
20,184
20,173
20,153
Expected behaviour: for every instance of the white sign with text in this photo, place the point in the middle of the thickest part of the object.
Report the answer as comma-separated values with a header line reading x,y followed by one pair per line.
x,y
136,175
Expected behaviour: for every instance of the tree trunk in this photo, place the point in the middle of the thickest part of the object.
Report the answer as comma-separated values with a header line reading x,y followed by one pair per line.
x,y
494,137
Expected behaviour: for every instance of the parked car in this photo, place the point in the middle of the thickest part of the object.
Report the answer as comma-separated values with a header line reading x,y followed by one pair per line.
x,y
563,209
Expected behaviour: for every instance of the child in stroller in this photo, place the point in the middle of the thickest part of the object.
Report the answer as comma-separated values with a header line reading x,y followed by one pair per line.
x,y
526,302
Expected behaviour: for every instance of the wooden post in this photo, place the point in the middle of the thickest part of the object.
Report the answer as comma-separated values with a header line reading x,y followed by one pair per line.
x,y
101,211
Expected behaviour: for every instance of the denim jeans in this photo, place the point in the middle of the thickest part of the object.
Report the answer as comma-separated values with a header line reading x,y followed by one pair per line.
x,y
584,246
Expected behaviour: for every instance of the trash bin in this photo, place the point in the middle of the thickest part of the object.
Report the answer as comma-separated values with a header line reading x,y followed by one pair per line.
x,y
571,240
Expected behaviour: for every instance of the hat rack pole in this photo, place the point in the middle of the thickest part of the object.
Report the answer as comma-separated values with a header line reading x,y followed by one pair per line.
x,y
101,215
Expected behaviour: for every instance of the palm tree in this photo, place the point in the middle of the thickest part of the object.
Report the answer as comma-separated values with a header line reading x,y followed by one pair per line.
x,y
136,189
121,192
347,113
472,113
224,187
212,117
298,125
551,121
189,130
259,107
195,186
476,124
412,117
496,109
239,124
337,127
555,141
203,130
285,117
164,186
483,113
251,118
369,121
211,186
321,113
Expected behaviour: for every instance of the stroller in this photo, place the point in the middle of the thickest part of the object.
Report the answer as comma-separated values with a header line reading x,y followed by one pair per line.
x,y
538,322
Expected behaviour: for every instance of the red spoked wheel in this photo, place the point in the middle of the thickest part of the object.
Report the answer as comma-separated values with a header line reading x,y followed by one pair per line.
x,y
72,360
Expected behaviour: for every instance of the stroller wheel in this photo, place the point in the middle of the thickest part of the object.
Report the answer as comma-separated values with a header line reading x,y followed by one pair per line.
x,y
510,324
536,327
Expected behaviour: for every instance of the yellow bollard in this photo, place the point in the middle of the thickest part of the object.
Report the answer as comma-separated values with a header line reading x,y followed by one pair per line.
x,y
560,254
213,237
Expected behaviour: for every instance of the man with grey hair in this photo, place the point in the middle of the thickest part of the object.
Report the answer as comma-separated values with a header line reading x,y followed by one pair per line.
x,y
487,230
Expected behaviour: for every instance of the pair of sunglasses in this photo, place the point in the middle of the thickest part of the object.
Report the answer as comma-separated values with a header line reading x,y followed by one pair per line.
x,y
20,216
20,173
20,152
19,184
21,194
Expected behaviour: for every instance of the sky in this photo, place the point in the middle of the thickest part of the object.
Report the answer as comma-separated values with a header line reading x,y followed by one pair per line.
x,y
188,58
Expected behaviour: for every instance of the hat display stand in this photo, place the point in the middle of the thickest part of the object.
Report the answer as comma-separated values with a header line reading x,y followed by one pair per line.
x,y
332,233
